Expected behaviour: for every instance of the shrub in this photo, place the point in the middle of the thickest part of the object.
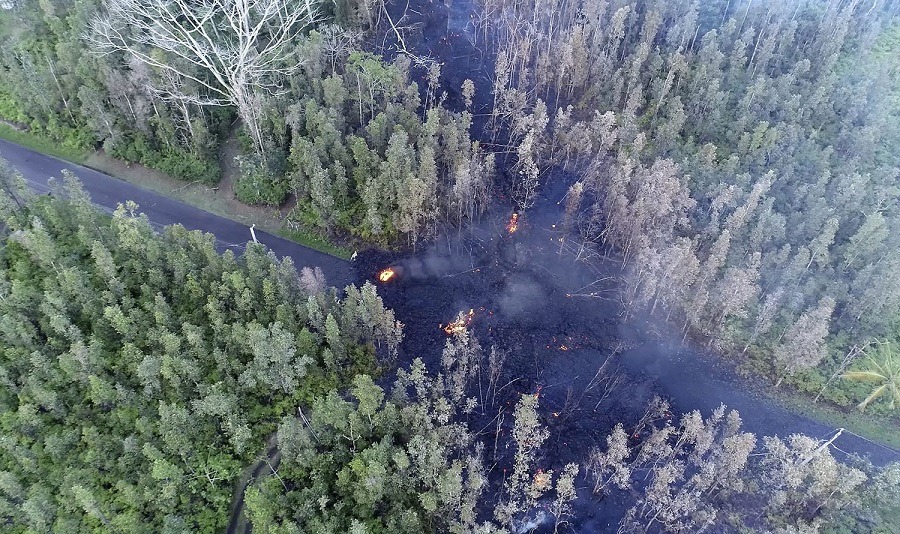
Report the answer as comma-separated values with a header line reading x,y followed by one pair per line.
x,y
186,166
257,185
175,162
10,109
78,138
306,215
245,141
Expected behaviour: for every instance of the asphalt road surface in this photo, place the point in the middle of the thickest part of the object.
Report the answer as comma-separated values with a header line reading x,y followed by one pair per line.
x,y
107,192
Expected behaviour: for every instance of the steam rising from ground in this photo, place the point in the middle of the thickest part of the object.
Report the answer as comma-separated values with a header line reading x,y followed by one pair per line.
x,y
520,300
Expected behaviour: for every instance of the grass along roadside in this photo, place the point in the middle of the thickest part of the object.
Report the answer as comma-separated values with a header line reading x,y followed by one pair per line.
x,y
43,145
212,199
883,430
315,242
216,199
879,429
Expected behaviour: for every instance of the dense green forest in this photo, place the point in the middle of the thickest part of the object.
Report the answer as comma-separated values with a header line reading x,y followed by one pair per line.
x,y
142,372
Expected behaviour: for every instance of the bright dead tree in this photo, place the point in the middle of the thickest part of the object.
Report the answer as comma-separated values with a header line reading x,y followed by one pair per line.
x,y
236,51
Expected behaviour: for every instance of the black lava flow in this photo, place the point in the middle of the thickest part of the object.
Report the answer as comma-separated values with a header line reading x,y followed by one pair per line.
x,y
556,318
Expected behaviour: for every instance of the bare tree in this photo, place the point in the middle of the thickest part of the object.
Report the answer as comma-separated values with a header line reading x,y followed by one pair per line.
x,y
235,50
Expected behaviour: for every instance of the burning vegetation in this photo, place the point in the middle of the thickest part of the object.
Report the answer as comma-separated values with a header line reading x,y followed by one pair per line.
x,y
386,275
462,322
513,225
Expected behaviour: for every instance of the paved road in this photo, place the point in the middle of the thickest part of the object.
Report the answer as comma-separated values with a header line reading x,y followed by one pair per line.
x,y
107,192
695,380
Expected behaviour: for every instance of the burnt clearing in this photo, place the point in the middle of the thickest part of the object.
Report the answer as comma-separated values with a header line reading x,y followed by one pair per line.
x,y
535,305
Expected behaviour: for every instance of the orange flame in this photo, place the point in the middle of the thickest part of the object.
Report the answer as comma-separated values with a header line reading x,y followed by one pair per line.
x,y
462,322
513,223
386,275
541,481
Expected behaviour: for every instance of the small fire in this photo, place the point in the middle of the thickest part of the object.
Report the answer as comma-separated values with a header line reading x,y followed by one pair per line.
x,y
513,223
386,275
462,322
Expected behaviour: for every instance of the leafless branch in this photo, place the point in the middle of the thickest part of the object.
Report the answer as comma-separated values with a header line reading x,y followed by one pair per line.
x,y
232,49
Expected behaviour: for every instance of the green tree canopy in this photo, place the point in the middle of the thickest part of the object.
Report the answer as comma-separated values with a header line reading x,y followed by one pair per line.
x,y
142,371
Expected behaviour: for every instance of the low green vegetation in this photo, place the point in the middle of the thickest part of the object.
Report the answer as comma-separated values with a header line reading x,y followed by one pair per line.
x,y
42,144
316,242
173,161
880,429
